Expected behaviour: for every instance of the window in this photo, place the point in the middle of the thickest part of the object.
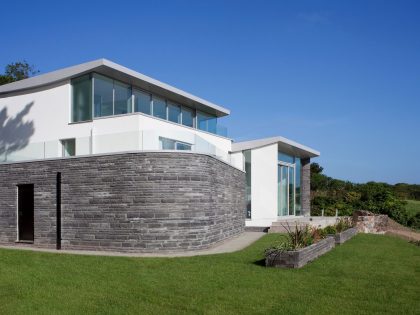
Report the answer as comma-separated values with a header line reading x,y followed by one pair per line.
x,y
174,113
103,96
122,98
142,102
187,117
170,144
298,204
206,122
95,95
159,107
286,158
247,161
68,147
81,99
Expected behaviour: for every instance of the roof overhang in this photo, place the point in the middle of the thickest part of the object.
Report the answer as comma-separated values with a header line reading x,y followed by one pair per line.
x,y
284,145
118,72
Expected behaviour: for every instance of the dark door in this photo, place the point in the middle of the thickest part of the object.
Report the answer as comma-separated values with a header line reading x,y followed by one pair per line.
x,y
26,212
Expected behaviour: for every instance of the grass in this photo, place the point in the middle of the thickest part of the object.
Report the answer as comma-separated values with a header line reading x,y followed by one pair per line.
x,y
412,207
369,274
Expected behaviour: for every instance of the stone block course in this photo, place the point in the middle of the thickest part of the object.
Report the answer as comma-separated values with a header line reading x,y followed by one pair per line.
x,y
142,201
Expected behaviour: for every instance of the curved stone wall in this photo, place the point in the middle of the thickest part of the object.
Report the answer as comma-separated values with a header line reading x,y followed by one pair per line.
x,y
144,202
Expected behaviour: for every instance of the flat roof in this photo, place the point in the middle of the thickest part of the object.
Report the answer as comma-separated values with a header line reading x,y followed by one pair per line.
x,y
285,145
118,72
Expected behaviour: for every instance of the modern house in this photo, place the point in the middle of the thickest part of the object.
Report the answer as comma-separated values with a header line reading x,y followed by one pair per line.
x,y
98,156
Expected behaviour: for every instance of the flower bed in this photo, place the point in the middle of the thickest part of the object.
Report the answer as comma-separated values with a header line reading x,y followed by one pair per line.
x,y
303,245
300,257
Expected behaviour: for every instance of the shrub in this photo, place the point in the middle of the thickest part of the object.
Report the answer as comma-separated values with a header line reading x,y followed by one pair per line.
x,y
414,222
297,237
343,224
330,229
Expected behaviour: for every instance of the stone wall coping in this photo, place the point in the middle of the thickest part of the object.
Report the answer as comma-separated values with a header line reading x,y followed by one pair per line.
x,y
95,155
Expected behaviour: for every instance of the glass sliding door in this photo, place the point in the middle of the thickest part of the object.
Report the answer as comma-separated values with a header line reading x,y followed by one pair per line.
x,y
286,190
291,190
283,201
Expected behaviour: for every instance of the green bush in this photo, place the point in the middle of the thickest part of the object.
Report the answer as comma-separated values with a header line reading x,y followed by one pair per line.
x,y
330,229
414,222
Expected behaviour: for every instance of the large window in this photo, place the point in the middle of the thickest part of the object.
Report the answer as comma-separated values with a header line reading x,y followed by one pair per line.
x,y
247,159
98,96
159,107
174,112
170,144
103,96
122,98
289,185
188,117
206,122
142,102
81,99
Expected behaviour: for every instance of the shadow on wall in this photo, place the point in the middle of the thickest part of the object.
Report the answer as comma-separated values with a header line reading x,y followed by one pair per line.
x,y
14,132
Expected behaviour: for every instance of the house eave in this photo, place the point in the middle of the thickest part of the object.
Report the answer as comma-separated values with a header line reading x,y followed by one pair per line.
x,y
118,72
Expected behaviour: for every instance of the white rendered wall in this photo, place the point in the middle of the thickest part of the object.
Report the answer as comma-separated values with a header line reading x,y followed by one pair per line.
x,y
51,116
237,159
263,186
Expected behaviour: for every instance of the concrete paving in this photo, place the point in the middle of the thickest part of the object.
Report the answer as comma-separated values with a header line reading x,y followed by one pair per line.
x,y
228,246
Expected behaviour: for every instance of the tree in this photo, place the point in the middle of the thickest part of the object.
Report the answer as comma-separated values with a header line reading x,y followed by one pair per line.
x,y
17,71
316,168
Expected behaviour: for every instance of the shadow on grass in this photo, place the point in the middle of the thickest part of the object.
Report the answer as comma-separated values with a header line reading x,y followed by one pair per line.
x,y
260,262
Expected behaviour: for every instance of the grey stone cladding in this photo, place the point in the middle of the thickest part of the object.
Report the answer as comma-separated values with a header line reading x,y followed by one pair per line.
x,y
141,202
306,187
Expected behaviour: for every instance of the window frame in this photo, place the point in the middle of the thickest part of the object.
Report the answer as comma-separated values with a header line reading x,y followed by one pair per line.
x,y
176,142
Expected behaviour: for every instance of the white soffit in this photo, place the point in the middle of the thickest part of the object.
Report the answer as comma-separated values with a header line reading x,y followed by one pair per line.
x,y
285,145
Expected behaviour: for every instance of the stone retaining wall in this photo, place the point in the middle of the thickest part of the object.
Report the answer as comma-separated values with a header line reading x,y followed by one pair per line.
x,y
142,202
342,237
299,258
372,223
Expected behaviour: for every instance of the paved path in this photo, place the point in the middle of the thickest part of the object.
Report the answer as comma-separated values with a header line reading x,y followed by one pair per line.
x,y
231,245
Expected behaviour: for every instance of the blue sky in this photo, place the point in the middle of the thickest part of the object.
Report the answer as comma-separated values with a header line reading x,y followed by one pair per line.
x,y
342,77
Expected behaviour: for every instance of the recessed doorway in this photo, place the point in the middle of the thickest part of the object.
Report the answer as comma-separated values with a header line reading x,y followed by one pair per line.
x,y
25,212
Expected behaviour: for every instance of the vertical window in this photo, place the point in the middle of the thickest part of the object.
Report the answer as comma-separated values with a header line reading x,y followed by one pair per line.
x,y
81,99
122,98
103,96
247,158
142,102
159,107
187,117
291,191
174,113
68,147
170,144
206,122
298,204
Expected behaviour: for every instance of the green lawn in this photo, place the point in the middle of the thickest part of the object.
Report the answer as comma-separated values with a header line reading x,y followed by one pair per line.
x,y
370,274
412,207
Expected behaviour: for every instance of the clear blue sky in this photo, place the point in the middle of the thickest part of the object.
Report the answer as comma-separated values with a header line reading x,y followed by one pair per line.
x,y
342,77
